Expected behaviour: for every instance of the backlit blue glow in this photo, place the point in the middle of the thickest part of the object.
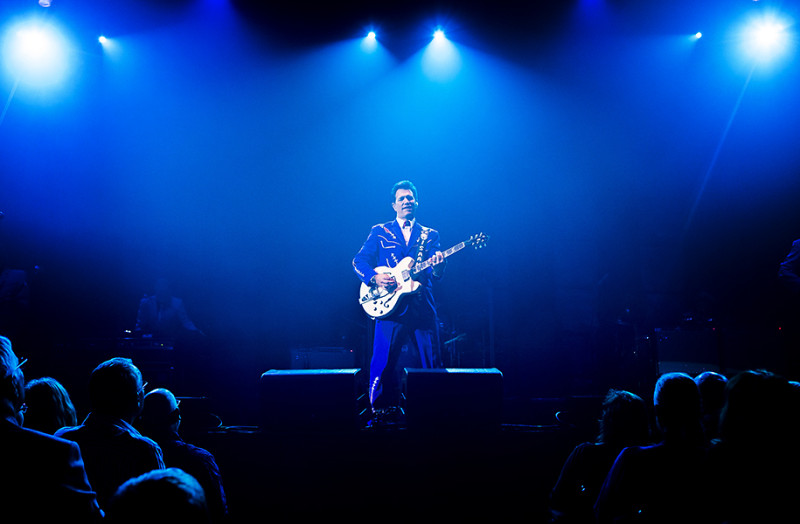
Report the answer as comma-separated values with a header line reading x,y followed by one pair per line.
x,y
441,60
370,42
36,53
698,35
767,37
102,39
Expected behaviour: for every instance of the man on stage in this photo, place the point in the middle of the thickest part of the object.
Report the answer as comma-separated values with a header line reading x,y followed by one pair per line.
x,y
412,325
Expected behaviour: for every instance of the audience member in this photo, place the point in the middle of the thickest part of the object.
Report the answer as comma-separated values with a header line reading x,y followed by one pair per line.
x,y
165,496
753,466
114,451
712,395
659,483
160,420
43,477
624,422
49,406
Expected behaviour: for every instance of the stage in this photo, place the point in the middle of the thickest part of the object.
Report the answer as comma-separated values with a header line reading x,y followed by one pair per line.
x,y
391,473
633,164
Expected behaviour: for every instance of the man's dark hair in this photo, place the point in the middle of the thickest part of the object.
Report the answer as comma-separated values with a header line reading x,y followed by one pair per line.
x,y
624,420
162,495
677,403
404,184
114,388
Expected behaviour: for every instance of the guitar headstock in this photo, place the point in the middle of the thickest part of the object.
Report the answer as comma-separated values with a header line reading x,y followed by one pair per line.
x,y
478,241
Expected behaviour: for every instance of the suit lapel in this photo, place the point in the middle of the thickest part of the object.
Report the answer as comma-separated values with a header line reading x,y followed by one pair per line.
x,y
412,241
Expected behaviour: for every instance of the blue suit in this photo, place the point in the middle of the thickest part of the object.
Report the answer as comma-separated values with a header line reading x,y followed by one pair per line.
x,y
413,324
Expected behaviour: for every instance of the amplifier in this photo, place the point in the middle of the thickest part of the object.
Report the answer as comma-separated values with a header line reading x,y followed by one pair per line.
x,y
312,399
453,399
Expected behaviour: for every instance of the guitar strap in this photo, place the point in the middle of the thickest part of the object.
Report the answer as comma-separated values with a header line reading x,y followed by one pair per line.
x,y
422,238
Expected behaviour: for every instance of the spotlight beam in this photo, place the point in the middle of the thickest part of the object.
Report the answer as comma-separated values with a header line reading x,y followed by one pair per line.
x,y
715,156
8,101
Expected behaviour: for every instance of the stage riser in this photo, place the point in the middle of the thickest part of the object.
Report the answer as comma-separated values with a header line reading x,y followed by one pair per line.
x,y
309,399
334,399
453,399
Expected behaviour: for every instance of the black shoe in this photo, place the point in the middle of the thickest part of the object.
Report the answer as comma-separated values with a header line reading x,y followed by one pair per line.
x,y
387,417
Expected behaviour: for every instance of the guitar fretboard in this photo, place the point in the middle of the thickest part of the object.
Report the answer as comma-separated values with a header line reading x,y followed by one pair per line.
x,y
425,265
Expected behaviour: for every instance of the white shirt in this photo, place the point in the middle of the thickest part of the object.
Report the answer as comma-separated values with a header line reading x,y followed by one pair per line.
x,y
406,230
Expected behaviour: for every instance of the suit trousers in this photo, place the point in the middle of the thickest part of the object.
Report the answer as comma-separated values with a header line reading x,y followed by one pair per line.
x,y
397,345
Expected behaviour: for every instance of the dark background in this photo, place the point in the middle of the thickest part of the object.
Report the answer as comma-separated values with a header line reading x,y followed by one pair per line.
x,y
631,179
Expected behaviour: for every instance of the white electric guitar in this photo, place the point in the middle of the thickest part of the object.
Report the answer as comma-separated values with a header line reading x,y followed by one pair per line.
x,y
379,302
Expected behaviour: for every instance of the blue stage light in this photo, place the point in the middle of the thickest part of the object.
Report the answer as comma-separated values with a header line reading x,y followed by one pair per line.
x,y
766,37
36,53
102,39
369,43
698,35
441,60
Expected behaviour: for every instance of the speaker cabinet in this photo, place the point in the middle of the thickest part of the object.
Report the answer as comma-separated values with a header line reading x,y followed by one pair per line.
x,y
453,399
309,399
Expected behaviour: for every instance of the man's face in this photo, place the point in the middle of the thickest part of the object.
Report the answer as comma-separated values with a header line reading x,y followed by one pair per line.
x,y
404,204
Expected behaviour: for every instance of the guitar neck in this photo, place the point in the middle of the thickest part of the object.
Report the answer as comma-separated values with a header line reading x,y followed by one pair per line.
x,y
426,264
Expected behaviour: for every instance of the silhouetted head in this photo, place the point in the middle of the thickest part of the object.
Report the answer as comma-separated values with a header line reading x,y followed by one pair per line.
x,y
677,406
161,496
49,406
624,420
116,389
757,408
712,389
160,412
12,382
712,395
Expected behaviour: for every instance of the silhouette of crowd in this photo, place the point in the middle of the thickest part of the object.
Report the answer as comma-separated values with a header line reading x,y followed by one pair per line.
x,y
708,449
720,451
104,468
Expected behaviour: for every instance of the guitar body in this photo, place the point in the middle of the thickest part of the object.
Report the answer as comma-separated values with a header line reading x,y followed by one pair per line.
x,y
380,303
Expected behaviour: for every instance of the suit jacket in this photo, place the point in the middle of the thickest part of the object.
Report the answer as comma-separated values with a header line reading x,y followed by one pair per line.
x,y
43,478
198,463
114,452
386,246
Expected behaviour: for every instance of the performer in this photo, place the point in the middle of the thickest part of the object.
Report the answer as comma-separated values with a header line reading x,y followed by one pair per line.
x,y
413,323
162,315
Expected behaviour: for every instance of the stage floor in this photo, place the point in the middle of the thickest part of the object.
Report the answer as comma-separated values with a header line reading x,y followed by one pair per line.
x,y
390,473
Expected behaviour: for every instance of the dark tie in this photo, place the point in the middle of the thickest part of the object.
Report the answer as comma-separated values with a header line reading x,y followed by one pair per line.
x,y
407,224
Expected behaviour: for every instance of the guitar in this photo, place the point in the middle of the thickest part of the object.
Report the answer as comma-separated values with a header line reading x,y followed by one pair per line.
x,y
381,302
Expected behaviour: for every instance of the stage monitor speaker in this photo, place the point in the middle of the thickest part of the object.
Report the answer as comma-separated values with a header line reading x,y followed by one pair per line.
x,y
453,399
312,399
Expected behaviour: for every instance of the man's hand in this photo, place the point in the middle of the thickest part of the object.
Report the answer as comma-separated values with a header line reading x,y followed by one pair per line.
x,y
437,258
385,281
436,262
